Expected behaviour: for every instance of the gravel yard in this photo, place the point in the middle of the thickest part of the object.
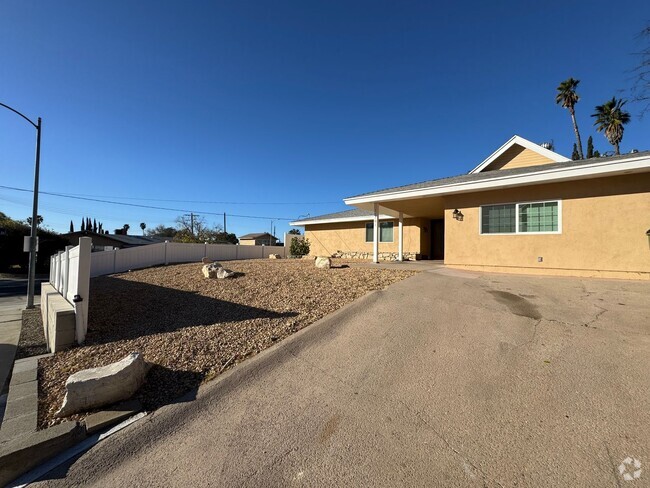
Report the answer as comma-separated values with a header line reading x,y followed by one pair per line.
x,y
32,340
192,329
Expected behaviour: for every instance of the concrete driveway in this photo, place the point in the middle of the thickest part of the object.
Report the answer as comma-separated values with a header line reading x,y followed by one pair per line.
x,y
444,379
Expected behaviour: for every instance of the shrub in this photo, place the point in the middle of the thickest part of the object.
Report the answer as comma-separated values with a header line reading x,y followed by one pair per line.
x,y
299,247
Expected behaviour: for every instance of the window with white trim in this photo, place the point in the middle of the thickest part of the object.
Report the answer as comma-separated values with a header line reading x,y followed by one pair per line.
x,y
521,218
385,232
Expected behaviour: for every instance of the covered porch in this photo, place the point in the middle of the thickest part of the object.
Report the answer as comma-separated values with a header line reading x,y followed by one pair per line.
x,y
430,209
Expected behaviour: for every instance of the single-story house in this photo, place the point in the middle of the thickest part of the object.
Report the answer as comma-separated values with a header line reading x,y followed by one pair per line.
x,y
260,239
112,241
524,209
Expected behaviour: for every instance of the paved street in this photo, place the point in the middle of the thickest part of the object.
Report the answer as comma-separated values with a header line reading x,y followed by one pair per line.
x,y
13,293
444,379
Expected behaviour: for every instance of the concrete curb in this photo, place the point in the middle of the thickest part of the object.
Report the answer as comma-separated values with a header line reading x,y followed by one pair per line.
x,y
22,446
23,453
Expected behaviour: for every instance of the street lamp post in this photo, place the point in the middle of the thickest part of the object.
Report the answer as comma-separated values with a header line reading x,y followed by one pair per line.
x,y
31,277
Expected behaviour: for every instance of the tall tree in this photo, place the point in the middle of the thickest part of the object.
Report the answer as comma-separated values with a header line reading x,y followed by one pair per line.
x,y
610,119
574,155
143,226
71,227
95,226
83,225
568,98
590,147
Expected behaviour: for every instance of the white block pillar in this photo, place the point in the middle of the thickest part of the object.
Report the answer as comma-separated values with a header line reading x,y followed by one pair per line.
x,y
375,235
400,242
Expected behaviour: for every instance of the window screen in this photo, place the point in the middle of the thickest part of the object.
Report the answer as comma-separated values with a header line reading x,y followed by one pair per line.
x,y
498,219
538,217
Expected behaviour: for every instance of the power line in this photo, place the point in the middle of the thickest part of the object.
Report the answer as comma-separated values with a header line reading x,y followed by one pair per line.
x,y
151,207
190,201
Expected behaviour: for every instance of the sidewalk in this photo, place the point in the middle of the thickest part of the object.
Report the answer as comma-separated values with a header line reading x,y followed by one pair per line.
x,y
10,325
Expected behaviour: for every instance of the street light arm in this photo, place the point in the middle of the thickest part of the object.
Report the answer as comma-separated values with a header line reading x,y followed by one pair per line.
x,y
17,112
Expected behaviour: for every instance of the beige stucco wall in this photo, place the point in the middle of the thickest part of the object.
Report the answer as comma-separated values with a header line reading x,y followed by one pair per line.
x,y
604,224
518,157
327,239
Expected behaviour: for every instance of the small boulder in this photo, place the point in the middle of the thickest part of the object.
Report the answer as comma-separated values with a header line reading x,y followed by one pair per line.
x,y
223,273
275,256
323,262
96,387
207,261
210,270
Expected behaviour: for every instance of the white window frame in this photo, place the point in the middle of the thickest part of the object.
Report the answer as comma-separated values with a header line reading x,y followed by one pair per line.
x,y
382,242
517,232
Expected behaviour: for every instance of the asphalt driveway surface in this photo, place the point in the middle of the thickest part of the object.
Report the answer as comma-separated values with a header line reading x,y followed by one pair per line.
x,y
444,379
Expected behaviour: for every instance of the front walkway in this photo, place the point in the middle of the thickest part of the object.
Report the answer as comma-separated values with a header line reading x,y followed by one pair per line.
x,y
439,380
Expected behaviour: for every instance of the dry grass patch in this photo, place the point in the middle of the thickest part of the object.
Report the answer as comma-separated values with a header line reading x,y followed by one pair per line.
x,y
191,328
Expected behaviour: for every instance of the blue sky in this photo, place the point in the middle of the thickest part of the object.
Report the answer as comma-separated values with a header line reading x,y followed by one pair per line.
x,y
283,108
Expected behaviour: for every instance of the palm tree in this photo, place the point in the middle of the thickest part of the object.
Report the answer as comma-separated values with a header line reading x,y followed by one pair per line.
x,y
126,228
143,226
610,118
567,97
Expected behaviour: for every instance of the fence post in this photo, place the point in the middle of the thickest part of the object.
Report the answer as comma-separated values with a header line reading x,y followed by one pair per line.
x,y
82,297
262,251
237,251
166,258
205,250
59,275
67,272
114,260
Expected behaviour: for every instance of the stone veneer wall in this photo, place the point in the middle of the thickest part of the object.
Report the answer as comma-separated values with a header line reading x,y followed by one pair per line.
x,y
383,256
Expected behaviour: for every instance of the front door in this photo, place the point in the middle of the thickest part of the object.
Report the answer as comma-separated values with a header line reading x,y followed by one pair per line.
x,y
438,239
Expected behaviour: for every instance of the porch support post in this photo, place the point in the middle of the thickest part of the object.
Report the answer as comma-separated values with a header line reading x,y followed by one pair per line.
x,y
400,242
375,235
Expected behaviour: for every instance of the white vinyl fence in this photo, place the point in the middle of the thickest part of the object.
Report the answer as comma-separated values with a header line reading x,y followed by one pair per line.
x,y
71,270
120,260
70,276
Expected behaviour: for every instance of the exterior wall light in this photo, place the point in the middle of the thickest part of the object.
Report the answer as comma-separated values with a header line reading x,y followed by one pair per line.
x,y
458,215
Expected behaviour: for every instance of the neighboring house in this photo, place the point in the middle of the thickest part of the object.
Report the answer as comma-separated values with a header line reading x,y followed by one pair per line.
x,y
263,238
101,241
525,209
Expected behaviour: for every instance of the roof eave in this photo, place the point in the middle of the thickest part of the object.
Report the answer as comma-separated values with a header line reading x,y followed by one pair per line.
x,y
602,169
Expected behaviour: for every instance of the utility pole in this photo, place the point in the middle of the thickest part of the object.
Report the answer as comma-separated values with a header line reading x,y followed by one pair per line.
x,y
31,277
224,223
191,216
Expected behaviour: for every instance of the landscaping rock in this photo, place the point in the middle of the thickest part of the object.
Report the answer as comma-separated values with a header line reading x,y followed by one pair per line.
x,y
275,256
95,387
223,273
210,270
207,261
323,262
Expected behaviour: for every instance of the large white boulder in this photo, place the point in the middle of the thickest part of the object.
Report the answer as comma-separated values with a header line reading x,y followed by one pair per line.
x,y
210,270
323,262
95,387
275,256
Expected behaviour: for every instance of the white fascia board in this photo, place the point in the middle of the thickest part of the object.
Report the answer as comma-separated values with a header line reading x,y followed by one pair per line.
x,y
366,218
520,141
596,170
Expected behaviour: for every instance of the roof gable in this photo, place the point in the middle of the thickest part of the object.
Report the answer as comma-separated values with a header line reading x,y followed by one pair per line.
x,y
518,152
